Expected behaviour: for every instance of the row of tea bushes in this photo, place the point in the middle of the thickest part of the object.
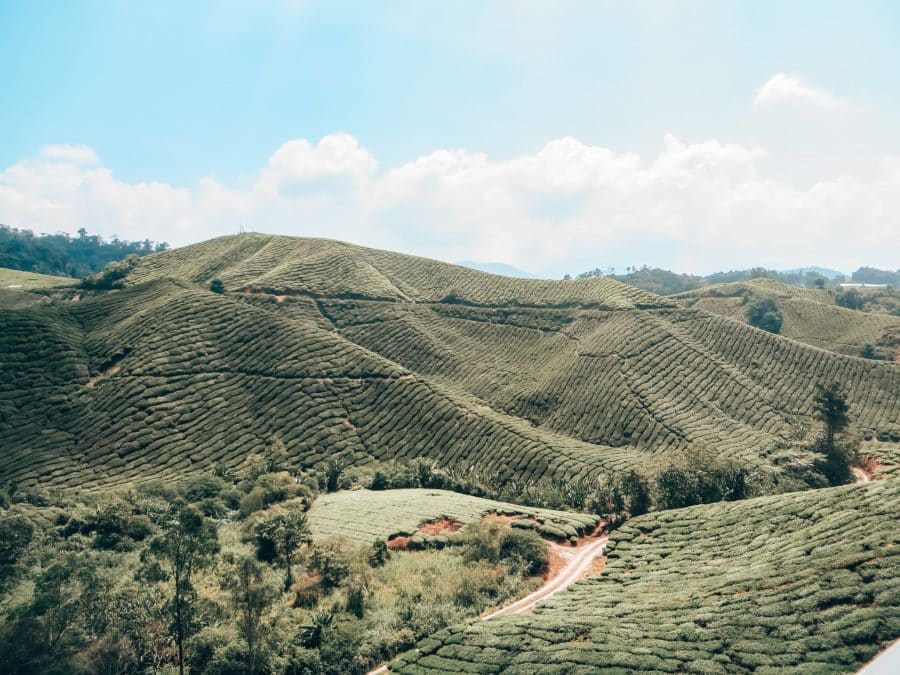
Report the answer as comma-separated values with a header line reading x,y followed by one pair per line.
x,y
795,583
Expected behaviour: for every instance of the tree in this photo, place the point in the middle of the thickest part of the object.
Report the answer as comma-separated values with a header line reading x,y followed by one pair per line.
x,y
849,299
819,282
216,286
250,597
282,535
635,487
765,314
832,410
379,554
186,543
311,634
333,470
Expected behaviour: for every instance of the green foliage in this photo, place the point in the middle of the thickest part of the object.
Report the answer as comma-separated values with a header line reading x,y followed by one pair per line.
x,y
186,543
765,314
62,255
112,276
850,299
331,559
217,286
313,633
250,596
379,554
15,535
279,538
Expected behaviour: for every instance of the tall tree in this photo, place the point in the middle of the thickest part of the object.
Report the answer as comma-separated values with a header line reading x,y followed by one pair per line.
x,y
831,409
251,596
281,536
186,543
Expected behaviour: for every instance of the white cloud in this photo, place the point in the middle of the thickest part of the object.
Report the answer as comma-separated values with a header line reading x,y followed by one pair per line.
x,y
76,154
782,87
569,206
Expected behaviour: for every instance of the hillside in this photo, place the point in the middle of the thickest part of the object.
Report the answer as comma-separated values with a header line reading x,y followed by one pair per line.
x,y
366,515
810,315
804,582
359,355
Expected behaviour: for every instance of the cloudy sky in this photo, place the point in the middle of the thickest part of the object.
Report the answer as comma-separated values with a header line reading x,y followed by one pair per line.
x,y
556,136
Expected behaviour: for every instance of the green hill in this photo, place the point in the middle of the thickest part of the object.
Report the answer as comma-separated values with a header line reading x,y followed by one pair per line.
x,y
798,583
810,315
360,355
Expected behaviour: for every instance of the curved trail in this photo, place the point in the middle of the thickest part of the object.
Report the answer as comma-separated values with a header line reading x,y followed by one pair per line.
x,y
575,569
568,575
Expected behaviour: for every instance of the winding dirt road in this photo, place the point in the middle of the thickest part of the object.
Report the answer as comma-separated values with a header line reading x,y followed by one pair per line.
x,y
579,563
580,559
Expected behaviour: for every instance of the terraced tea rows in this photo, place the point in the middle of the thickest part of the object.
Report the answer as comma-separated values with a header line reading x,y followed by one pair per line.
x,y
164,380
804,582
810,315
366,515
325,268
553,379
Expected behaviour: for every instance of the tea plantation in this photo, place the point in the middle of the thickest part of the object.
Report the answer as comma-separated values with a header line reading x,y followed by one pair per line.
x,y
796,583
358,355
809,315
366,515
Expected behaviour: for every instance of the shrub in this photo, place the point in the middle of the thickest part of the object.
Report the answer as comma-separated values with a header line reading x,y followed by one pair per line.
x,y
765,314
525,550
216,286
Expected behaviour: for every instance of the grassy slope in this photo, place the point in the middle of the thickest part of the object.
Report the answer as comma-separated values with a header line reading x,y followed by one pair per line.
x,y
810,315
804,582
366,515
528,377
32,280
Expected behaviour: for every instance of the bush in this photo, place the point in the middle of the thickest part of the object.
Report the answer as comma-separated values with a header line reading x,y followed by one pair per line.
x,y
764,314
112,276
216,286
525,550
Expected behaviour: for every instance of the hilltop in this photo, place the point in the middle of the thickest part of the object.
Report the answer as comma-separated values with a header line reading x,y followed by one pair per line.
x,y
360,355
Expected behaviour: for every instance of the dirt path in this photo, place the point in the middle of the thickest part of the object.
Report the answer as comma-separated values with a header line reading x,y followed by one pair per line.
x,y
861,475
579,563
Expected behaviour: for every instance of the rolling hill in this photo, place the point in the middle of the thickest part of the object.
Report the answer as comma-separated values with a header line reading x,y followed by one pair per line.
x,y
362,355
810,315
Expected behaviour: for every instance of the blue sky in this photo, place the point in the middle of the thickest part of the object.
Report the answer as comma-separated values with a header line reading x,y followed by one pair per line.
x,y
181,104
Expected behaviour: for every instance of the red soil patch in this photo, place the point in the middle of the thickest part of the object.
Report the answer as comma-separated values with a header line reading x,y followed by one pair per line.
x,y
870,465
398,543
555,564
597,566
440,526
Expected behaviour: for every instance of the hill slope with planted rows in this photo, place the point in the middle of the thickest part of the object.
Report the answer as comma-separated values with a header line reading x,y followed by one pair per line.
x,y
809,315
361,355
799,583
366,515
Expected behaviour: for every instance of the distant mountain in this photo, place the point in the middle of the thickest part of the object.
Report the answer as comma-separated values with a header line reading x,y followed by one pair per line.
x,y
498,268
826,272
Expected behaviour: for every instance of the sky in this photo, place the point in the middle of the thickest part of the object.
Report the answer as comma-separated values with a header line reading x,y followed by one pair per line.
x,y
553,136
